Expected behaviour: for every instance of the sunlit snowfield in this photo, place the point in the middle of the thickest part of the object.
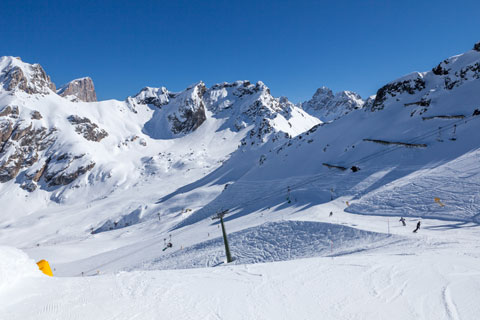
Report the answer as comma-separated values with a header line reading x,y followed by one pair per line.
x,y
346,266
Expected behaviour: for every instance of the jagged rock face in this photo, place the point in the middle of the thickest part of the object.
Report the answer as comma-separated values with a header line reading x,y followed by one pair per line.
x,y
21,143
476,47
191,112
321,98
181,112
367,106
27,152
249,99
241,104
453,76
82,88
17,75
244,104
447,75
35,115
411,85
87,129
328,106
154,96
65,168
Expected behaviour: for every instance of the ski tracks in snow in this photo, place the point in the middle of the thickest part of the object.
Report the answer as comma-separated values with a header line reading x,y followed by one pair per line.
x,y
450,306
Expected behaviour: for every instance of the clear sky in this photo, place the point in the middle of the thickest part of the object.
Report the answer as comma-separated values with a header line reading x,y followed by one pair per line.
x,y
293,46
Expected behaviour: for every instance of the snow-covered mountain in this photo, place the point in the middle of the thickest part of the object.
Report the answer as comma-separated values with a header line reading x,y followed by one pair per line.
x,y
415,142
58,146
175,114
328,106
240,104
18,75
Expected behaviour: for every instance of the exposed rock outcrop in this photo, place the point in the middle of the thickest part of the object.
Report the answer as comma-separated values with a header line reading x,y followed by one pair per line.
x,y
67,168
154,96
328,106
18,75
87,128
21,144
476,47
82,88
35,115
241,103
410,84
181,112
191,111
244,104
449,74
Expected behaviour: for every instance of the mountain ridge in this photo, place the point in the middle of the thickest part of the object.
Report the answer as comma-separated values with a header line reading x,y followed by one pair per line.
x,y
55,149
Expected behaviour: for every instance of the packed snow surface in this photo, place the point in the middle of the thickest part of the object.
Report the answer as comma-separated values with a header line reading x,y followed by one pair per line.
x,y
432,274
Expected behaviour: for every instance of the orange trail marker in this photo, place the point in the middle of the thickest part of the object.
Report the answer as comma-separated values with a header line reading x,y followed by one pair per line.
x,y
437,200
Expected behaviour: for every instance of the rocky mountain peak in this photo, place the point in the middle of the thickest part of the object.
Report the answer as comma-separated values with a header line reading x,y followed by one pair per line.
x,y
476,47
243,104
82,88
199,87
178,112
252,99
18,75
328,106
322,93
154,96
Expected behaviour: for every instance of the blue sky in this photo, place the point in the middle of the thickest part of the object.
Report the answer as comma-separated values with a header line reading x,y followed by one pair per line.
x,y
292,46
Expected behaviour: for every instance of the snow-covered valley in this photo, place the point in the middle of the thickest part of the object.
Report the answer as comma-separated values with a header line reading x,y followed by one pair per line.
x,y
314,194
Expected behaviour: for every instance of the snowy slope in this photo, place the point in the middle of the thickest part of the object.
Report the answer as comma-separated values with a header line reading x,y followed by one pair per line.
x,y
432,275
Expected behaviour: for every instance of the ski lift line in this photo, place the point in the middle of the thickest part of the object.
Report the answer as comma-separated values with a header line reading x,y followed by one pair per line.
x,y
361,160
423,136
415,139
411,140
383,152
433,132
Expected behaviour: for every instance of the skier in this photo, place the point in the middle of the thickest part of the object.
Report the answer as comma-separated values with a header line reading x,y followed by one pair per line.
x,y
169,245
402,220
331,214
418,227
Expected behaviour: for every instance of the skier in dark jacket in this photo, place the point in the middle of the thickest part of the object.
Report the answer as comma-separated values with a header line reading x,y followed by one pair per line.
x,y
402,220
169,245
417,228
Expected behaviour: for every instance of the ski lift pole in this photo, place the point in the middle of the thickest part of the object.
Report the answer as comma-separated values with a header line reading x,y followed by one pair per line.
x,y
225,240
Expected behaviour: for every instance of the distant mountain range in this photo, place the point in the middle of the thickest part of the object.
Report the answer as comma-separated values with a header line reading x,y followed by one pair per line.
x,y
65,147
